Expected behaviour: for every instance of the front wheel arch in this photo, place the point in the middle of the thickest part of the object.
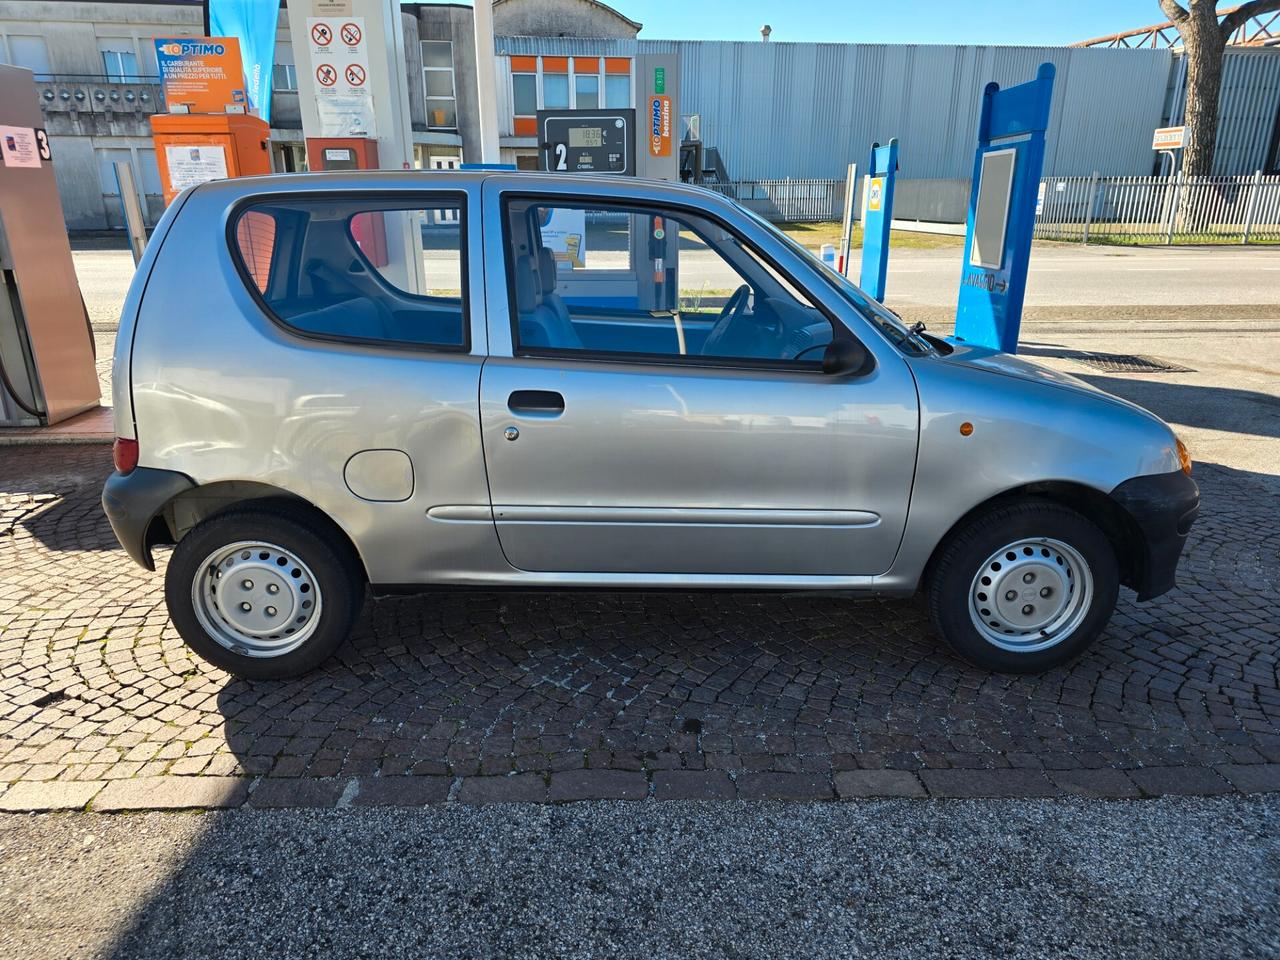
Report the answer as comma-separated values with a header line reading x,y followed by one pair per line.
x,y
1120,529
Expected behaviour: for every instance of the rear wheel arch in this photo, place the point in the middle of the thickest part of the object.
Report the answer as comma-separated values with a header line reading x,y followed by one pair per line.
x,y
183,512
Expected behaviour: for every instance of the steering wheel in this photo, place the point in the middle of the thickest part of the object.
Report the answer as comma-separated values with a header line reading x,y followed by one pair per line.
x,y
730,314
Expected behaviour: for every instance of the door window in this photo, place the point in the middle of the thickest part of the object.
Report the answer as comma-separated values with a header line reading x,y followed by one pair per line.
x,y
617,281
343,268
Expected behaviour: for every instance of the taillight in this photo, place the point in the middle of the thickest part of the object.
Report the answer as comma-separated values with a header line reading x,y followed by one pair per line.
x,y
125,454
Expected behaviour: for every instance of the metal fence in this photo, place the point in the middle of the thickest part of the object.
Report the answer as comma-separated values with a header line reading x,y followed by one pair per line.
x,y
787,201
1155,210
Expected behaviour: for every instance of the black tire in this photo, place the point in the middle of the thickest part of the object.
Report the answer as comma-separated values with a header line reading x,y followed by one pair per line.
x,y
339,581
968,549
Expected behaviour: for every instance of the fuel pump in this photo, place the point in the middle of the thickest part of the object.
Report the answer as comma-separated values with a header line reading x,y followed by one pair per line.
x,y
47,364
662,247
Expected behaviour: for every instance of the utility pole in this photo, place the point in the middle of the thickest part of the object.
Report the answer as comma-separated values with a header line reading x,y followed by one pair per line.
x,y
486,87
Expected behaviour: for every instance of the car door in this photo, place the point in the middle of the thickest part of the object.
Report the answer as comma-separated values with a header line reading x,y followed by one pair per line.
x,y
628,428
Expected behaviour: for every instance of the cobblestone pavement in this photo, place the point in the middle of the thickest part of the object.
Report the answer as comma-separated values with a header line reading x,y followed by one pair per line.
x,y
489,696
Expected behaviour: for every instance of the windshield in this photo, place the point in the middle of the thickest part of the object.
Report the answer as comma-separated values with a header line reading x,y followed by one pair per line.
x,y
889,322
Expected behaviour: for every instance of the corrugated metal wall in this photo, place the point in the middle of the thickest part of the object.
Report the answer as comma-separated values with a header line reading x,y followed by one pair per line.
x,y
1249,108
806,110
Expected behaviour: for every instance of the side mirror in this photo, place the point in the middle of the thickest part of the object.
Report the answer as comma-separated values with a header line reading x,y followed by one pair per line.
x,y
843,356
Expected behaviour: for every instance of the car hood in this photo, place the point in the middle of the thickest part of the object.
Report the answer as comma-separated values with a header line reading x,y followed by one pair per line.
x,y
1008,365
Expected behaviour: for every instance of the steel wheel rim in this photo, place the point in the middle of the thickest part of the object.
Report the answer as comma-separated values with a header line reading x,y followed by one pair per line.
x,y
1031,594
256,599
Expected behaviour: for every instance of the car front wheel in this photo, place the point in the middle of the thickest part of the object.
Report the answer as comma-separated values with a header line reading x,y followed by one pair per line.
x,y
1023,587
263,593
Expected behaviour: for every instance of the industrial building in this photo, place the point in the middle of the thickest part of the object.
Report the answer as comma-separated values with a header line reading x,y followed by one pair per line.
x,y
749,110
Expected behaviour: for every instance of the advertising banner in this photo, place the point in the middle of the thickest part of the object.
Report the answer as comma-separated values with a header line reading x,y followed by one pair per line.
x,y
564,233
205,73
660,126
340,63
253,23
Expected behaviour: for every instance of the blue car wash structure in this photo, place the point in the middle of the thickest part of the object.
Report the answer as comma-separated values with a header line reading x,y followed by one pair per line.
x,y
1002,211
882,171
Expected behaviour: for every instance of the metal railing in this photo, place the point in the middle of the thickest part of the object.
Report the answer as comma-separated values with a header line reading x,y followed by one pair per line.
x,y
1160,210
787,201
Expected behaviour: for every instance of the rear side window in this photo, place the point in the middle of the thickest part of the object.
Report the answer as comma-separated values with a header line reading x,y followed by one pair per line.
x,y
357,270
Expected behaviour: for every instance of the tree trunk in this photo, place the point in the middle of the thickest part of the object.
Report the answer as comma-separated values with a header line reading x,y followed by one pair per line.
x,y
1204,51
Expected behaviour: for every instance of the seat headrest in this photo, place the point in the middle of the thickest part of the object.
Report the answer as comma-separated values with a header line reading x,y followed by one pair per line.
x,y
547,269
526,284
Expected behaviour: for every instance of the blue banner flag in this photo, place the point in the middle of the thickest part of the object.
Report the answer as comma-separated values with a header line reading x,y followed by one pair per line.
x,y
253,23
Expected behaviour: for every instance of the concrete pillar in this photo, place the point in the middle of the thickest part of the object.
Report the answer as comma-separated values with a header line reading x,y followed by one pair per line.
x,y
379,107
486,83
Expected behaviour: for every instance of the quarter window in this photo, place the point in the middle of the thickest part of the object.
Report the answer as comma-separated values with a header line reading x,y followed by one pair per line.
x,y
609,280
347,269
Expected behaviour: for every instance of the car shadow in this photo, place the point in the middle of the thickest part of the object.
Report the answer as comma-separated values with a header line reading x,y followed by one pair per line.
x,y
464,684
1229,409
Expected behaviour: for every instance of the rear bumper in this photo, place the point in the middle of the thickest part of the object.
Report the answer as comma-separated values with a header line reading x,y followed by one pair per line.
x,y
1164,506
131,501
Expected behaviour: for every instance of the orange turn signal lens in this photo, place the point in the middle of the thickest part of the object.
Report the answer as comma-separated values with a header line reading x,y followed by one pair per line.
x,y
966,429
1184,456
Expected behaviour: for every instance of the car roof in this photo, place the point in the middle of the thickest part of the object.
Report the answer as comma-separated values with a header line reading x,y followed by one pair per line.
x,y
278,183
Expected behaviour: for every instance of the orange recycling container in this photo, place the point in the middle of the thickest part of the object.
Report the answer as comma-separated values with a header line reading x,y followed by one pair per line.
x,y
194,147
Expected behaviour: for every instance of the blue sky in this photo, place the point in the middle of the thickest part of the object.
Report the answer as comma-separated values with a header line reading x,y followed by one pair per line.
x,y
890,21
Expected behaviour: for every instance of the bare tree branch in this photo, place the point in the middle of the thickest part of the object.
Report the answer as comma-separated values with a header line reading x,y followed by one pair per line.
x,y
1175,11
1238,17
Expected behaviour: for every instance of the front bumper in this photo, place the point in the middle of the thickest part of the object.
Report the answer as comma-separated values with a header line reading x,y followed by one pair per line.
x,y
1163,506
131,501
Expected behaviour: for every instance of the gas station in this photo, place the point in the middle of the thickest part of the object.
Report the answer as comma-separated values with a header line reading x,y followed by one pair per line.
x,y
637,524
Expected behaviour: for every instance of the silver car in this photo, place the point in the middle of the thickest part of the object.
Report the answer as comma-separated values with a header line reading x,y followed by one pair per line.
x,y
330,383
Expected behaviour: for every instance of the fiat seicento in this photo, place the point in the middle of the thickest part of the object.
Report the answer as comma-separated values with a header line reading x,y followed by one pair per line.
x,y
335,383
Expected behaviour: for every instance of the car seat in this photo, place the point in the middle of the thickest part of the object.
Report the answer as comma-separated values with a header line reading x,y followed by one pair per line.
x,y
563,332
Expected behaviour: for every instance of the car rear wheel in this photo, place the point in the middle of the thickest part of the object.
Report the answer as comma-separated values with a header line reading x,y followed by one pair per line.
x,y
1023,587
262,593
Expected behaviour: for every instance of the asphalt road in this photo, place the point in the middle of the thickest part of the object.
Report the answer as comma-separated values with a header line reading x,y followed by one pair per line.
x,y
1061,274
1174,878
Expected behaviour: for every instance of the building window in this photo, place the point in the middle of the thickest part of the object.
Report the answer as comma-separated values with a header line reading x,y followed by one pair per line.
x,y
617,91
617,82
586,83
586,91
119,63
524,90
524,96
555,83
30,52
437,83
284,76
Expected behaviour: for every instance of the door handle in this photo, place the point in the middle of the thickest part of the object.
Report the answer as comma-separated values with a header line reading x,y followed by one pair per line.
x,y
545,402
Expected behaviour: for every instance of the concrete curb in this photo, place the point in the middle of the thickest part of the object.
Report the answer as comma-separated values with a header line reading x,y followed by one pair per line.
x,y
208,793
